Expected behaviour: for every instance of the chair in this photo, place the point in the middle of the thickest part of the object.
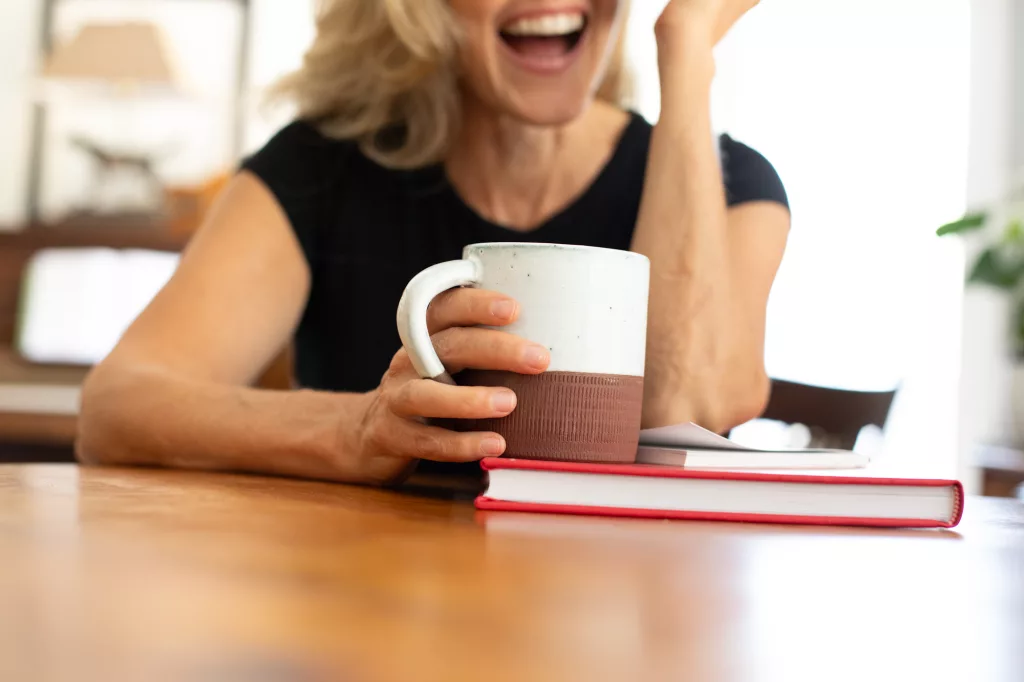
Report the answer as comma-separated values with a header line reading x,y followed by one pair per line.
x,y
834,416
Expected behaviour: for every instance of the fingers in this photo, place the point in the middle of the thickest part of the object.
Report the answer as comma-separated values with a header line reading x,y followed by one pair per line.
x,y
432,399
459,348
463,347
410,439
468,307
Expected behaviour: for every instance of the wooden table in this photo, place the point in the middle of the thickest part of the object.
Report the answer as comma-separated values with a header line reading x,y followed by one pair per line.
x,y
153,575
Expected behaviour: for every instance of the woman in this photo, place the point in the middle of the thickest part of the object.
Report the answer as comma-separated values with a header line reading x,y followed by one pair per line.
x,y
428,125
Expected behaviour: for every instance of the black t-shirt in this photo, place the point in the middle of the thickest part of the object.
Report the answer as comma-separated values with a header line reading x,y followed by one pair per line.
x,y
366,231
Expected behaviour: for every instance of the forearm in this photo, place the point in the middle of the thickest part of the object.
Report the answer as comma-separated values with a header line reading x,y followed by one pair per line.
x,y
143,416
699,367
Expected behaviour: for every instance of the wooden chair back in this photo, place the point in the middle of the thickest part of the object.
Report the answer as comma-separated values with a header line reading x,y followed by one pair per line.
x,y
834,416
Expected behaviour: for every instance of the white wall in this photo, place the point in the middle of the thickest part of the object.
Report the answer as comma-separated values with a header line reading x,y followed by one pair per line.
x,y
1018,85
281,33
984,414
18,35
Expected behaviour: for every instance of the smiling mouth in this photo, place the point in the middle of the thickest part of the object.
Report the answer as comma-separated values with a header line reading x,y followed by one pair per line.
x,y
545,37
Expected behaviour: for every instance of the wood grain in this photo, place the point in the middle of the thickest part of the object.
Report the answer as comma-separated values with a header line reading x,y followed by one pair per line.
x,y
116,574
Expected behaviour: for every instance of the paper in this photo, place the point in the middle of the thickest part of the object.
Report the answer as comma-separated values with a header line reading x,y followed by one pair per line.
x,y
688,436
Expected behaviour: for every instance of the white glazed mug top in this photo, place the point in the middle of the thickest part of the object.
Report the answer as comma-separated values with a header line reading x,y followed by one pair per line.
x,y
587,305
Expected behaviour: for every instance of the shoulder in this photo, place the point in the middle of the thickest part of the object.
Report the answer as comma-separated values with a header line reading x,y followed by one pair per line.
x,y
307,173
748,175
299,161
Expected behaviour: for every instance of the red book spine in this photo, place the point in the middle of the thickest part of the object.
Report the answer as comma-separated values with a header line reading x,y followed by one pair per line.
x,y
488,504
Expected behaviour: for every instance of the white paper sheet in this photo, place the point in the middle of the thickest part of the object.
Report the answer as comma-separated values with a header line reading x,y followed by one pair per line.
x,y
688,436
684,436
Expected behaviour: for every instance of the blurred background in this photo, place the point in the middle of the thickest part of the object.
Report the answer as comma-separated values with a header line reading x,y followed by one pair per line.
x,y
121,119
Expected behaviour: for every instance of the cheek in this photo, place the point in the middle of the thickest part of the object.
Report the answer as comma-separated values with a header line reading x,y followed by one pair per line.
x,y
475,19
609,19
611,9
477,64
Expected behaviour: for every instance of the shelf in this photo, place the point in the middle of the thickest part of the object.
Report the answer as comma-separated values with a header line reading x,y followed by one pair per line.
x,y
114,233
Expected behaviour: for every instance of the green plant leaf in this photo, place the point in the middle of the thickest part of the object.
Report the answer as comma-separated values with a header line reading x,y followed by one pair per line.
x,y
971,221
1014,233
991,269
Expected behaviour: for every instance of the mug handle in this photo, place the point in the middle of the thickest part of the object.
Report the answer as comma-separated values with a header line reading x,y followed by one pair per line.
x,y
412,313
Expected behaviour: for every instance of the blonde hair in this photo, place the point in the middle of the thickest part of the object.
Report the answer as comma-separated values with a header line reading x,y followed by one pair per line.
x,y
380,67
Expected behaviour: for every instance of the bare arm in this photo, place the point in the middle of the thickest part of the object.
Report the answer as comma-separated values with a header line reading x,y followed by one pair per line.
x,y
175,391
711,267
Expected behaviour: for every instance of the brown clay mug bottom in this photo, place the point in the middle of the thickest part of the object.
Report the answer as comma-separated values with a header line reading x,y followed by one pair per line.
x,y
568,416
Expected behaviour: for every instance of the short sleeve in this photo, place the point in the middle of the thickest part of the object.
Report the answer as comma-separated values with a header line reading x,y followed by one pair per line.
x,y
304,170
748,175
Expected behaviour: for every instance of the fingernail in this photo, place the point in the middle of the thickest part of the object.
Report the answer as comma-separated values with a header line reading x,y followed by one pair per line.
x,y
492,445
536,356
503,310
503,401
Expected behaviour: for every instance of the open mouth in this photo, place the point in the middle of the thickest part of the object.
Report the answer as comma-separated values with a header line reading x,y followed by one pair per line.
x,y
547,36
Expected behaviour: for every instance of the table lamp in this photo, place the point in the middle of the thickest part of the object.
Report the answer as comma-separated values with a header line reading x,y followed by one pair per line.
x,y
125,60
124,54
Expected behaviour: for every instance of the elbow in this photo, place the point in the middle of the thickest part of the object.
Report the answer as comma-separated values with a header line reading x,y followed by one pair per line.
x,y
94,440
746,400
742,401
720,405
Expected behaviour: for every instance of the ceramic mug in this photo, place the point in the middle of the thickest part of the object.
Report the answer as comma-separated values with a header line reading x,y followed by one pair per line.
x,y
588,307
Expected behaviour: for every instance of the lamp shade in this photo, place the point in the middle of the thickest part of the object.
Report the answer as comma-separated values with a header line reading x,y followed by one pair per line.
x,y
121,52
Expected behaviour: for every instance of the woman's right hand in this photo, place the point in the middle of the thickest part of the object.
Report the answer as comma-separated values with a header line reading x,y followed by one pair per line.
x,y
393,433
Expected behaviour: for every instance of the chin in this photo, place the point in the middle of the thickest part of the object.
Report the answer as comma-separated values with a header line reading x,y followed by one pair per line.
x,y
543,110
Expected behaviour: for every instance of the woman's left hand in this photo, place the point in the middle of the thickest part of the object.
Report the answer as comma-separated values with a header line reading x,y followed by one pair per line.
x,y
697,25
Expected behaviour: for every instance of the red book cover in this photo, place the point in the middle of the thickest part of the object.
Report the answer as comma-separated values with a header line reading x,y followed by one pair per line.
x,y
484,502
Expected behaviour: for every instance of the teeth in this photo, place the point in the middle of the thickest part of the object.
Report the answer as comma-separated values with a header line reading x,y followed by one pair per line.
x,y
546,25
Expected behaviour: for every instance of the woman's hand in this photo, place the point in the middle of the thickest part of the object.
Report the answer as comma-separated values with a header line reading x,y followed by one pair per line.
x,y
694,27
392,433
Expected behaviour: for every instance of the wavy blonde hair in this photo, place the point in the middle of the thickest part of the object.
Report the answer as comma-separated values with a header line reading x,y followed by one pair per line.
x,y
379,66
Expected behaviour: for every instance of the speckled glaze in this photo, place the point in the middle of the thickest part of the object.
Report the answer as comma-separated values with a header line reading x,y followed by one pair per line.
x,y
587,305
